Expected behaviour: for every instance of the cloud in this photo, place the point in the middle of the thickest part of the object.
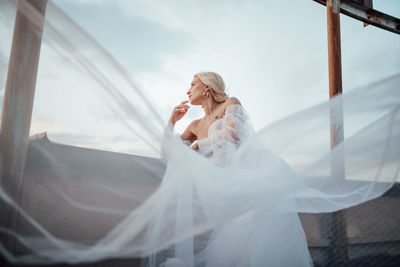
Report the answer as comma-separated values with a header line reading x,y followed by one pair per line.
x,y
137,41
272,55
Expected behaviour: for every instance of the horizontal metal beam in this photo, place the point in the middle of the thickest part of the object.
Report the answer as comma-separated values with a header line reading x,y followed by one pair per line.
x,y
368,15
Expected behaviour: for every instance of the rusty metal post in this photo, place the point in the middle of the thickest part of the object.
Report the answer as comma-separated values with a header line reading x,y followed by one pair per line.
x,y
334,51
339,235
18,99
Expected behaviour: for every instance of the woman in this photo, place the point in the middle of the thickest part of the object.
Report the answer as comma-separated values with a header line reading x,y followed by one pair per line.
x,y
257,237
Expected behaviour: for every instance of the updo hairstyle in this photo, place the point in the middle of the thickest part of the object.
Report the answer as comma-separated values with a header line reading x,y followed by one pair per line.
x,y
216,84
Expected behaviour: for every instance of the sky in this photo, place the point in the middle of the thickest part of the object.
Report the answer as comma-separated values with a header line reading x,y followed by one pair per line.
x,y
271,54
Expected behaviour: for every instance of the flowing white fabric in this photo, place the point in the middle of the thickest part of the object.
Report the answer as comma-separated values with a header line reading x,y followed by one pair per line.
x,y
258,237
232,203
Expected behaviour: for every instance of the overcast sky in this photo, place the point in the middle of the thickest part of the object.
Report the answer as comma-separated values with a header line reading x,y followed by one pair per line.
x,y
271,54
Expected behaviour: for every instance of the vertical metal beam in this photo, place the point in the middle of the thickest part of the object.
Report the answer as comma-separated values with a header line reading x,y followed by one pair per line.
x,y
334,51
18,98
339,235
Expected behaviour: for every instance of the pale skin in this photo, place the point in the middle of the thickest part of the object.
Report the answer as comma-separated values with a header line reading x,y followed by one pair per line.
x,y
199,94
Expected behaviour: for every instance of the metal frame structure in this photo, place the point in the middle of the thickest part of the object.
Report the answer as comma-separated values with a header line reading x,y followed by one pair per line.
x,y
362,10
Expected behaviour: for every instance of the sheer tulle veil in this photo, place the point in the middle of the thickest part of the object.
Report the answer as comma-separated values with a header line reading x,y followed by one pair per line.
x,y
234,203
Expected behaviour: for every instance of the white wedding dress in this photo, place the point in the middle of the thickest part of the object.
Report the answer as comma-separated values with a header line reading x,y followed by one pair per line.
x,y
262,236
233,177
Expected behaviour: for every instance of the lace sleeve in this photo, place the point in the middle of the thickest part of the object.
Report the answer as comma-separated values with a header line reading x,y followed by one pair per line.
x,y
233,127
226,134
203,143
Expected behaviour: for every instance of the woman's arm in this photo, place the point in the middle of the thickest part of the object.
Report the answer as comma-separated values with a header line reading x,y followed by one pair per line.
x,y
233,118
188,135
177,113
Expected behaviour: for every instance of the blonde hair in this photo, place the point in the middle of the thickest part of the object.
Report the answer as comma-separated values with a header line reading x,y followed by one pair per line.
x,y
215,81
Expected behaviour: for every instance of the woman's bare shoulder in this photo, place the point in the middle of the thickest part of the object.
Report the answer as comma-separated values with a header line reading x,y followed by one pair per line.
x,y
194,124
190,132
232,101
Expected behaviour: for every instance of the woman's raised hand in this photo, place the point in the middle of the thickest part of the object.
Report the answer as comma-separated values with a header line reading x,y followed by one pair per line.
x,y
179,111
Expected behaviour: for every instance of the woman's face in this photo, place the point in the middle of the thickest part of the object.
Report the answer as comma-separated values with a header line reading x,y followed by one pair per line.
x,y
196,91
